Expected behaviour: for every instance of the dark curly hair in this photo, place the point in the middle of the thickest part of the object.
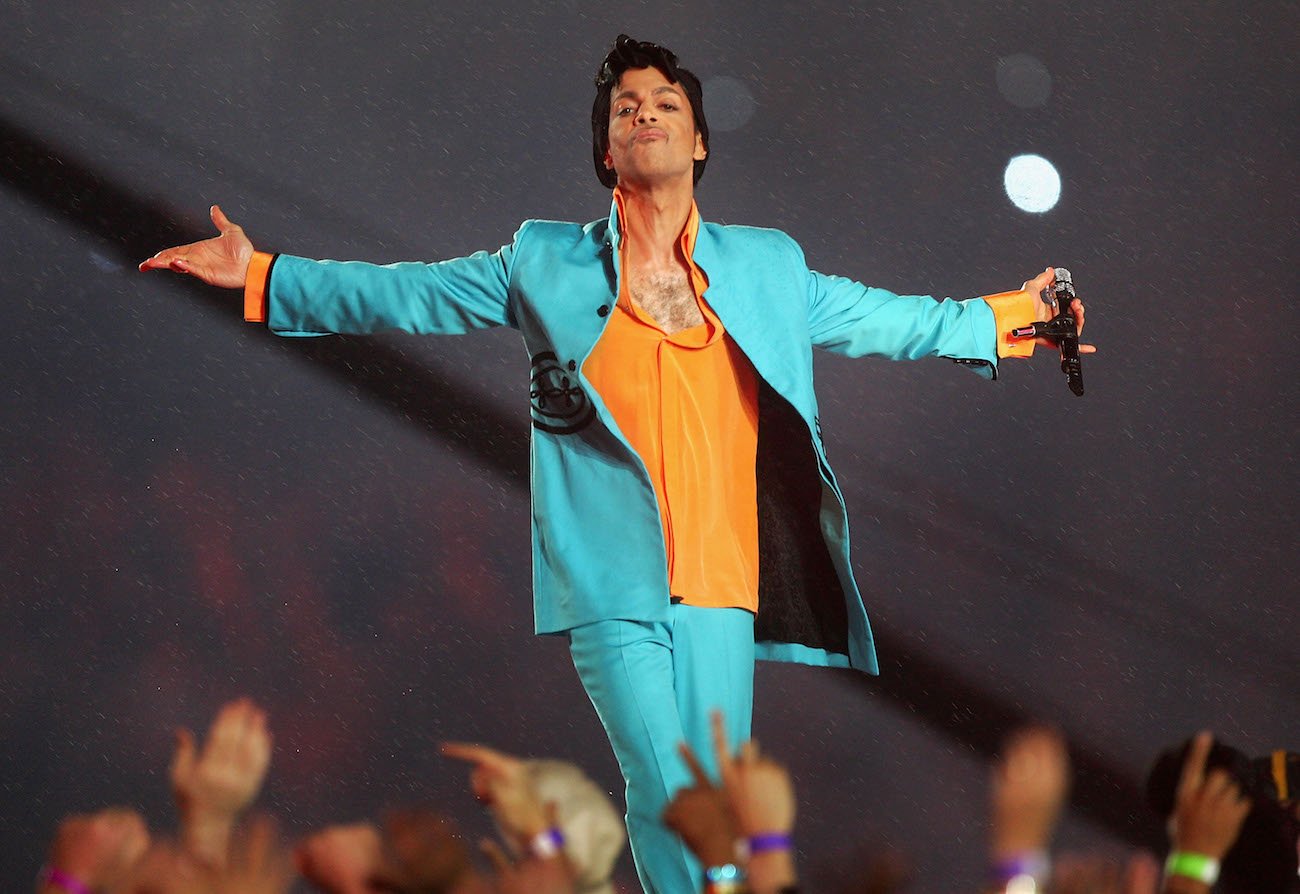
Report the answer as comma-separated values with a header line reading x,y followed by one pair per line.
x,y
628,53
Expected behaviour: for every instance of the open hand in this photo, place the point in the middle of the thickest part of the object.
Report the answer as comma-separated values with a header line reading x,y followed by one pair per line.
x,y
214,785
219,261
1027,791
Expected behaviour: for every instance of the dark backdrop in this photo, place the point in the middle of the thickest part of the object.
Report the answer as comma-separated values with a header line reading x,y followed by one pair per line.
x,y
193,509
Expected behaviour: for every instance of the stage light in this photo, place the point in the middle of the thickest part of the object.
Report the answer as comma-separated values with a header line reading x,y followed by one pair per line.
x,y
730,103
1032,183
1023,80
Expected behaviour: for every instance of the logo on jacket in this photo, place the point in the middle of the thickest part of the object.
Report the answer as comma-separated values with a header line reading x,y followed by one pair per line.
x,y
559,405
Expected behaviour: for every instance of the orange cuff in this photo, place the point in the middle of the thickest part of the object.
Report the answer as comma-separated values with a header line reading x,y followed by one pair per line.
x,y
255,283
1011,310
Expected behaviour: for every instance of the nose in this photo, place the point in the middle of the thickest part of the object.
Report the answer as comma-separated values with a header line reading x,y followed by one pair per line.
x,y
645,113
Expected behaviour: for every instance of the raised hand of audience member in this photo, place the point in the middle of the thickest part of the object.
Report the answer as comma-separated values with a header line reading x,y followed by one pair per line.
x,y
214,785
1026,793
501,782
758,788
762,801
701,814
1209,810
95,850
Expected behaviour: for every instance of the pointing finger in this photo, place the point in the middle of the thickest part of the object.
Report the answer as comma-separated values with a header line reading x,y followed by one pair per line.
x,y
693,762
1193,775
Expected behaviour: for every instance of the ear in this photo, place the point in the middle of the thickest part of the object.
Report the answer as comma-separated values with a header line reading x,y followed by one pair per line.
x,y
700,152
609,161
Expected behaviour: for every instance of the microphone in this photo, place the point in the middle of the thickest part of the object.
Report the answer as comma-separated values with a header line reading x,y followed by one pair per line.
x,y
1062,328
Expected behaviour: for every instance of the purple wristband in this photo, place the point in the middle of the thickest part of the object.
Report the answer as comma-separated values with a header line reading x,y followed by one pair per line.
x,y
771,841
1035,864
58,878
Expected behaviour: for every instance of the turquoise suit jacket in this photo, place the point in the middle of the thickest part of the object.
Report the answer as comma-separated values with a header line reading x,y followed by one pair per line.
x,y
598,548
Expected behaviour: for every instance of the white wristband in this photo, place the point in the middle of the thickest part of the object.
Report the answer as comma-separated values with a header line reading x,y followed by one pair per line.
x,y
548,844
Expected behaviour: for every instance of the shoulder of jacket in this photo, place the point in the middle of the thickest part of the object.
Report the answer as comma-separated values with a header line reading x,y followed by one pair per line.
x,y
739,233
560,233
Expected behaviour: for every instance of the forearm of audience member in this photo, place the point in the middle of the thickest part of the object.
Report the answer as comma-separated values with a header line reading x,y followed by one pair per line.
x,y
772,871
259,863
531,875
1178,884
761,798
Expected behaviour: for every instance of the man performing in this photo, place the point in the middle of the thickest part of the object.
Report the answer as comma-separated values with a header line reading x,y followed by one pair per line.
x,y
685,518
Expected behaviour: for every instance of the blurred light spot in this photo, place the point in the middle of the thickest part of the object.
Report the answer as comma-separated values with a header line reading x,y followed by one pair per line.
x,y
1032,183
1023,80
105,264
728,102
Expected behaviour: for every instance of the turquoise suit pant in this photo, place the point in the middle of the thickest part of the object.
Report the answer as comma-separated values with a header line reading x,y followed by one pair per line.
x,y
654,684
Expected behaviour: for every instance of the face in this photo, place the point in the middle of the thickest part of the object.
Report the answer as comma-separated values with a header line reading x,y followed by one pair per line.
x,y
652,136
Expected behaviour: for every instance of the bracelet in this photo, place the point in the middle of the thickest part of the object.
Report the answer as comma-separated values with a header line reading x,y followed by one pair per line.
x,y
1022,874
548,844
1198,867
769,841
724,879
51,875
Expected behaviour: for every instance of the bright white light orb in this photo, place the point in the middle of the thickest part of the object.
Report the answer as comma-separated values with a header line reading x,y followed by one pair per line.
x,y
1032,183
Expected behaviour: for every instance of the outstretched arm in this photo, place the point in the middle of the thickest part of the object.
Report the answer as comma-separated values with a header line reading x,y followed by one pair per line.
x,y
219,261
850,318
300,296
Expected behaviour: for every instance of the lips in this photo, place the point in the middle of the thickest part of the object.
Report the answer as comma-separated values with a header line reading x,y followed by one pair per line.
x,y
653,133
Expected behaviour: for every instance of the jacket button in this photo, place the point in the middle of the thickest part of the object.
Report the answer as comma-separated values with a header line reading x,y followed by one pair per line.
x,y
603,310
573,365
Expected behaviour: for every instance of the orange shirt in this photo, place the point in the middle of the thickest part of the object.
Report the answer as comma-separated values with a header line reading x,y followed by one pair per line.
x,y
688,404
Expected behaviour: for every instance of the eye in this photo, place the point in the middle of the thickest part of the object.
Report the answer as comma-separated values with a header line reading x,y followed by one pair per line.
x,y
623,111
668,106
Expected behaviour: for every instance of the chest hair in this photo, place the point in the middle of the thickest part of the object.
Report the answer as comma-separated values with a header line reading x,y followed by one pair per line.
x,y
666,295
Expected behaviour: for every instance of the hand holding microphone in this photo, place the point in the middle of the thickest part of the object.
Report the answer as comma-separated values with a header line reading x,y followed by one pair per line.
x,y
1062,330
